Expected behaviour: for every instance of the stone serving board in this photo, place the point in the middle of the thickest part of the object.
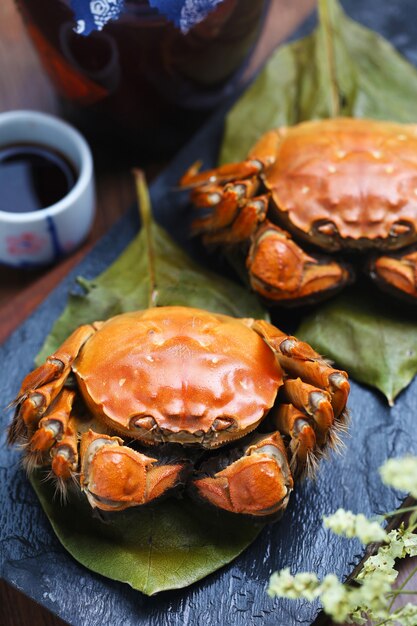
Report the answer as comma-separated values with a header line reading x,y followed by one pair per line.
x,y
32,558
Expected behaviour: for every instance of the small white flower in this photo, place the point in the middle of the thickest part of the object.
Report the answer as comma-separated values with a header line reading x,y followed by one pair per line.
x,y
347,524
401,474
406,615
337,599
357,617
373,593
396,539
410,544
381,563
285,585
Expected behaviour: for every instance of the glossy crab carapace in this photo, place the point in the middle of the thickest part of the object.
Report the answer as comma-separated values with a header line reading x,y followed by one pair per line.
x,y
336,185
182,376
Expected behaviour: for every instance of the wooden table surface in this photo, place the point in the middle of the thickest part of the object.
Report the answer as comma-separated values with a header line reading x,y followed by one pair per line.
x,y
24,84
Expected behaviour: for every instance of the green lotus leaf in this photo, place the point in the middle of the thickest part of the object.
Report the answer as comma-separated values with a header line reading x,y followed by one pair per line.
x,y
374,339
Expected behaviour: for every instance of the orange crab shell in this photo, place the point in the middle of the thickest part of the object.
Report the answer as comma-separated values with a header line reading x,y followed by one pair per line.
x,y
176,374
317,179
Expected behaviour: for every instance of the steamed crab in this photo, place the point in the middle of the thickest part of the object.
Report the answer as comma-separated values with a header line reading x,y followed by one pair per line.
x,y
339,185
99,408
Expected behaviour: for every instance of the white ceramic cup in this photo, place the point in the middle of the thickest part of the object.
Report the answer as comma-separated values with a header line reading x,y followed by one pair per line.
x,y
44,236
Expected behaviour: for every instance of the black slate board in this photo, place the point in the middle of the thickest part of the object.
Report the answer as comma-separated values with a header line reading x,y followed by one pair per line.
x,y
33,560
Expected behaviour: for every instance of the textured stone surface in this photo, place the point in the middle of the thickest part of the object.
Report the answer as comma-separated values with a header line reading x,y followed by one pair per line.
x,y
31,557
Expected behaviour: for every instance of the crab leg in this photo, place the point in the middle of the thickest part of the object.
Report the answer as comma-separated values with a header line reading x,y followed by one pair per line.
x,y
257,484
314,394
299,360
294,423
42,386
282,272
56,435
232,196
397,273
262,154
223,174
314,402
54,424
115,477
65,452
244,226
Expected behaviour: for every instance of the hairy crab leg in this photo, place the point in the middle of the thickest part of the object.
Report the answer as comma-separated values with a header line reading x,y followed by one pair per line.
x,y
397,272
53,424
295,424
223,214
257,484
115,477
314,402
223,174
299,360
314,388
280,271
65,452
246,223
40,387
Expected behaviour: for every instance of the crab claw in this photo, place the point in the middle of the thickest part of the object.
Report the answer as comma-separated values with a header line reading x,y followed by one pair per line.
x,y
258,484
115,477
397,273
282,272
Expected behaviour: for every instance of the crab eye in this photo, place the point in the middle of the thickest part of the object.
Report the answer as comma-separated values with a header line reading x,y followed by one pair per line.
x,y
146,422
223,423
326,228
399,229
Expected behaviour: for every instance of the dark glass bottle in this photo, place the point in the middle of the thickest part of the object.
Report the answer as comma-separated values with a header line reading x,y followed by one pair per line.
x,y
140,81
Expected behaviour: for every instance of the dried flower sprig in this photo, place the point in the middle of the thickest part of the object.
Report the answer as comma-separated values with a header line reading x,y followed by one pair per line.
x,y
372,595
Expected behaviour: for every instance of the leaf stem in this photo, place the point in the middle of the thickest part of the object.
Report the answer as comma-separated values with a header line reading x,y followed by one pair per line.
x,y
329,54
145,213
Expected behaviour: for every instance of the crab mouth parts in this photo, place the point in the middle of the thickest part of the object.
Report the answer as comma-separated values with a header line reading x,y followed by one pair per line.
x,y
222,430
326,235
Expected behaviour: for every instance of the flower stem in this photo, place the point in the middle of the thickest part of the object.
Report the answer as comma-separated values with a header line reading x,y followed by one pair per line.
x,y
406,509
401,589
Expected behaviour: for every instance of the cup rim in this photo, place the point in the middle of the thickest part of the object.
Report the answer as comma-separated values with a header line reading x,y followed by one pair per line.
x,y
84,174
